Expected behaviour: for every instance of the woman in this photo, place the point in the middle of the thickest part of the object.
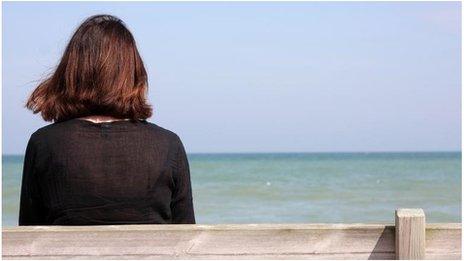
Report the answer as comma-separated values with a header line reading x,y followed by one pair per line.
x,y
101,162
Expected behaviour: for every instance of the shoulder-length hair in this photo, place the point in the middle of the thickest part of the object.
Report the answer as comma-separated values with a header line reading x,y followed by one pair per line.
x,y
100,73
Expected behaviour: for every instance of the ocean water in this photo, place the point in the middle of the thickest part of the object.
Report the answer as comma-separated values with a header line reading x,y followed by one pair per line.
x,y
305,187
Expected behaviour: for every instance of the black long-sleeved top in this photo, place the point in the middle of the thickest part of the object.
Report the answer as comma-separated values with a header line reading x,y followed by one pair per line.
x,y
78,172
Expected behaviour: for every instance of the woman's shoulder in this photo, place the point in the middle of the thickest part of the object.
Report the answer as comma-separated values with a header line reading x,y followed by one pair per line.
x,y
69,127
163,131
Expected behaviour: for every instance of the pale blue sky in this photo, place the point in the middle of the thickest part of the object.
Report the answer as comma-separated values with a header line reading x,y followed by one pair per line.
x,y
266,77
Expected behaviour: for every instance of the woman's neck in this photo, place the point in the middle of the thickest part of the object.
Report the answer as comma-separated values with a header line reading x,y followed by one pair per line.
x,y
101,118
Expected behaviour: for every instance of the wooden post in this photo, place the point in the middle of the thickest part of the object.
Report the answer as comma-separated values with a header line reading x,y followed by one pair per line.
x,y
410,234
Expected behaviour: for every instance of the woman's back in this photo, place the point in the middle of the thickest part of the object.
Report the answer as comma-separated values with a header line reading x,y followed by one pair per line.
x,y
78,172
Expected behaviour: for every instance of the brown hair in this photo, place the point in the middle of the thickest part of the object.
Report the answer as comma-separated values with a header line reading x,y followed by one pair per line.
x,y
100,73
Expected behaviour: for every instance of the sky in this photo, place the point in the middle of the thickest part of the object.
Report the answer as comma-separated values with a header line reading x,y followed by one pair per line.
x,y
265,77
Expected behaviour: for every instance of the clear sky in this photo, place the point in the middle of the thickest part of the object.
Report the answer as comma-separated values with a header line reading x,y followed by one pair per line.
x,y
266,77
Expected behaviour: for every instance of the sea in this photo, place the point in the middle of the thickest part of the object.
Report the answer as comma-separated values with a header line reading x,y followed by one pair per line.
x,y
304,187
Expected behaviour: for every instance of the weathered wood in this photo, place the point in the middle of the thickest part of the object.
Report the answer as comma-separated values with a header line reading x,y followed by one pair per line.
x,y
289,241
356,241
443,241
410,234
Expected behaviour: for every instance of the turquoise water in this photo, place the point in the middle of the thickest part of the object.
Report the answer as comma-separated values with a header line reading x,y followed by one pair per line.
x,y
306,187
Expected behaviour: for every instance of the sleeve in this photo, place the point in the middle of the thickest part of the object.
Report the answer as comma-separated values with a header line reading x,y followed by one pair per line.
x,y
182,201
31,208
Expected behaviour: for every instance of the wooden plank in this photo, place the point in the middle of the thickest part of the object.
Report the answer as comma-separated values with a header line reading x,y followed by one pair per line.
x,y
443,241
252,241
341,256
199,241
410,234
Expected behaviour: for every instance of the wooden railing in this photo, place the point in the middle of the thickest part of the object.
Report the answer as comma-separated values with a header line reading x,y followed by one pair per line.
x,y
409,238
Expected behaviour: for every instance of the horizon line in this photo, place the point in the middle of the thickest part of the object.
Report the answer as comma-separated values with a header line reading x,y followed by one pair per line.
x,y
309,152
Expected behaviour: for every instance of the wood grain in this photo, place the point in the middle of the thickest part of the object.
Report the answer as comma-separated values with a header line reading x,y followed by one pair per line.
x,y
251,241
410,234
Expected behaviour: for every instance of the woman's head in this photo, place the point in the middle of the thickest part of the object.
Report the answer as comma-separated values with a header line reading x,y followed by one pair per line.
x,y
100,73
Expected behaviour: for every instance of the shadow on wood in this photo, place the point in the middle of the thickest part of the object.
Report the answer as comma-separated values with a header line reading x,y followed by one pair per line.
x,y
387,238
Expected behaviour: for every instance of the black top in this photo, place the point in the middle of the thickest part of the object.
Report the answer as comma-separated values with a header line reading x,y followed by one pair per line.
x,y
78,172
